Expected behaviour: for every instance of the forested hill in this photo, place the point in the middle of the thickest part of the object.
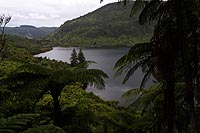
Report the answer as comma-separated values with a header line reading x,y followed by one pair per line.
x,y
29,31
108,25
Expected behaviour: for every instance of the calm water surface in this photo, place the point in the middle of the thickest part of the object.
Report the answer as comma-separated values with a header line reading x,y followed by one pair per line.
x,y
105,58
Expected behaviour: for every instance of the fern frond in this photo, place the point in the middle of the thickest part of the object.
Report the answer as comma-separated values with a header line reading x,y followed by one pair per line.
x,y
142,98
119,65
18,123
34,69
45,129
150,94
84,64
61,76
149,10
7,131
134,68
142,125
136,54
131,71
132,93
141,49
147,75
91,76
137,6
26,74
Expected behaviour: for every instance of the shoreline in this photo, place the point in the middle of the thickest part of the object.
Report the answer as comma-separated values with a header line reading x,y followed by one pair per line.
x,y
47,49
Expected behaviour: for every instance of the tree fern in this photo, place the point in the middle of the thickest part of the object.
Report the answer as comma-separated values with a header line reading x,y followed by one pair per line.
x,y
40,80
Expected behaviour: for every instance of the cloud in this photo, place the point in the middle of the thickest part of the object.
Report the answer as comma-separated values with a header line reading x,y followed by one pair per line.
x,y
37,16
47,12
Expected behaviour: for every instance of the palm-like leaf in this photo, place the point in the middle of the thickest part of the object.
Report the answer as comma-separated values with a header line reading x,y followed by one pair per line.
x,y
26,76
143,99
134,93
91,76
62,76
137,6
149,10
138,56
148,73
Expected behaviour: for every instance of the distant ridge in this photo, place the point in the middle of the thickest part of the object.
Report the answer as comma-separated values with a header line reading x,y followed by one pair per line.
x,y
110,25
29,31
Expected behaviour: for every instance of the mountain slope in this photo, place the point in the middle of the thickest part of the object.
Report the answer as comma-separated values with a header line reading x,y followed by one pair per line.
x,y
106,26
30,32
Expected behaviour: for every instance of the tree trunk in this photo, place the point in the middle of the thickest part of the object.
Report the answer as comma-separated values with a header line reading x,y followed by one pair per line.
x,y
85,85
193,121
189,97
170,105
57,111
198,49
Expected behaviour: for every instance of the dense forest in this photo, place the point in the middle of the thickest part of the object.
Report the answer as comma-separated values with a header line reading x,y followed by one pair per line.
x,y
96,29
42,95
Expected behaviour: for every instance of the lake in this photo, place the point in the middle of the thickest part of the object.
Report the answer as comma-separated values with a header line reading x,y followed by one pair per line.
x,y
105,59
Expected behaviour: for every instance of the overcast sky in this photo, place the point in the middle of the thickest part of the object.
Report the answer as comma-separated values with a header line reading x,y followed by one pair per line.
x,y
47,12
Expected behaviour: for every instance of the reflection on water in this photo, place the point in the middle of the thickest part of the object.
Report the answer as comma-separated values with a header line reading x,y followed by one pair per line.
x,y
105,58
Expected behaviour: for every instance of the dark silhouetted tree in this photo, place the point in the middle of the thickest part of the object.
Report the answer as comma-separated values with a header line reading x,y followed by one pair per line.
x,y
4,20
81,56
74,58
52,81
175,37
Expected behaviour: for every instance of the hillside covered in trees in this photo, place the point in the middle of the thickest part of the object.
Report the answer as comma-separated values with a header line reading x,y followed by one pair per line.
x,y
110,25
28,31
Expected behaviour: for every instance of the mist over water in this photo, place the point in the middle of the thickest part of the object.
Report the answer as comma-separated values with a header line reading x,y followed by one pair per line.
x,y
105,59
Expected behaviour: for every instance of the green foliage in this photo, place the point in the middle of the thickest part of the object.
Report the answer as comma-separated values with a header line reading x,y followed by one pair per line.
x,y
31,46
86,112
17,123
31,81
44,129
26,123
6,67
74,58
81,56
142,125
149,103
91,30
93,77
22,49
20,88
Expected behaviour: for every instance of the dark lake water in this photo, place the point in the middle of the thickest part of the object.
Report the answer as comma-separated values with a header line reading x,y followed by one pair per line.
x,y
105,58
